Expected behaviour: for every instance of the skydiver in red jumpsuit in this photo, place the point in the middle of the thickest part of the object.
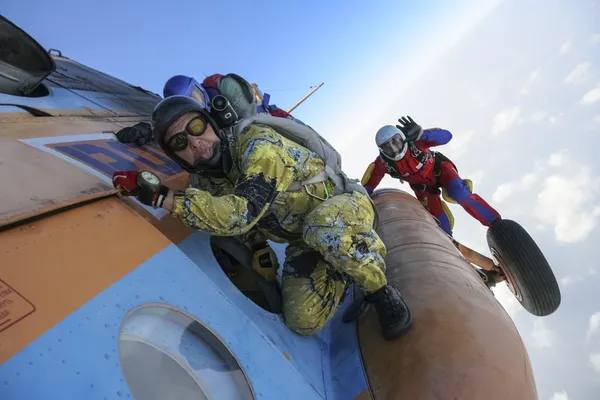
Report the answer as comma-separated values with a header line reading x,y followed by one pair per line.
x,y
404,153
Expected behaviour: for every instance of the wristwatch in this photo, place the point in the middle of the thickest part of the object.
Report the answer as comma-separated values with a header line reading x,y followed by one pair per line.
x,y
149,180
152,192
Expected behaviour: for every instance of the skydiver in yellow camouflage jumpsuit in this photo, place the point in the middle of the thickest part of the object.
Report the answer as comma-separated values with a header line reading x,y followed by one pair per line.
x,y
330,242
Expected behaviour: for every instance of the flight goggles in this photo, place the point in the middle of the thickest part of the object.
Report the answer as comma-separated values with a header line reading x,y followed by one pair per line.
x,y
395,148
179,141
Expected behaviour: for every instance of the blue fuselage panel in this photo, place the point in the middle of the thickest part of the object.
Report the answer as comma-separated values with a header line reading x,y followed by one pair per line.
x,y
78,358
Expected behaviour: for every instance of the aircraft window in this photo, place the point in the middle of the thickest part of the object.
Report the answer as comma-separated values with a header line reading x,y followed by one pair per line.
x,y
166,354
23,62
40,91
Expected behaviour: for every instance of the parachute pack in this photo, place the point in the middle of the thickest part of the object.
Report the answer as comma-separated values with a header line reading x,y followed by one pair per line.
x,y
307,137
242,97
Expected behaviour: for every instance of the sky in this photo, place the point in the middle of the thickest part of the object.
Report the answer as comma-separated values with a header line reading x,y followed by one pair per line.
x,y
516,82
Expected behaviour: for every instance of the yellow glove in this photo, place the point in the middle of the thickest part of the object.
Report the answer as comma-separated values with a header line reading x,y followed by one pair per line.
x,y
264,261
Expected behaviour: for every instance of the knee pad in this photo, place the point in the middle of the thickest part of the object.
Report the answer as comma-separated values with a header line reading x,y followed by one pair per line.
x,y
264,262
446,196
448,214
301,323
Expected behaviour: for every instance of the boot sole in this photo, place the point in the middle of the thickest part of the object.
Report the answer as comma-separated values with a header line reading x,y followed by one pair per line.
x,y
405,327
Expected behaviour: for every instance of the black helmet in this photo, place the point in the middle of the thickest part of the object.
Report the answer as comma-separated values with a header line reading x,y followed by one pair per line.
x,y
166,113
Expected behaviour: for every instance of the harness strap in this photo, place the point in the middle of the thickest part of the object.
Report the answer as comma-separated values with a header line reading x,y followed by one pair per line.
x,y
437,172
425,188
295,186
437,167
444,158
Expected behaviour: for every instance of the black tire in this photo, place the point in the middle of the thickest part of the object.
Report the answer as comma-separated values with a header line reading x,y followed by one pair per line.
x,y
226,248
526,269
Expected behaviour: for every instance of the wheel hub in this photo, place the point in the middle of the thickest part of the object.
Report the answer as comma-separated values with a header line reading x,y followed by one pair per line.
x,y
510,281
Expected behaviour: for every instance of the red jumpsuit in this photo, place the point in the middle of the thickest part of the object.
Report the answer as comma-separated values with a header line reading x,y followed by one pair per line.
x,y
417,169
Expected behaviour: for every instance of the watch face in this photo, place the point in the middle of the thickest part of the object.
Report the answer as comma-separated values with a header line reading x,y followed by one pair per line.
x,y
150,178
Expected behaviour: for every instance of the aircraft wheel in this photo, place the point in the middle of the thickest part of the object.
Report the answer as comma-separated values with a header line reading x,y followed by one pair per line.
x,y
528,274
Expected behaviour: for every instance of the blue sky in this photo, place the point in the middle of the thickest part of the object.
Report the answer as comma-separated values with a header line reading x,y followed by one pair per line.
x,y
516,81
279,45
521,94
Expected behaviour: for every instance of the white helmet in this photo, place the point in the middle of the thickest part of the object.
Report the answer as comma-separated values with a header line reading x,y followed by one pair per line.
x,y
391,142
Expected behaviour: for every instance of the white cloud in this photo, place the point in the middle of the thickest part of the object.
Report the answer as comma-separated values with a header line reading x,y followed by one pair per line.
x,y
566,46
558,159
570,224
596,119
507,299
592,96
595,361
595,38
569,279
503,192
481,99
458,144
594,325
510,117
533,76
554,118
577,74
505,119
477,177
543,336
560,192
582,275
562,395
563,203
538,116
528,179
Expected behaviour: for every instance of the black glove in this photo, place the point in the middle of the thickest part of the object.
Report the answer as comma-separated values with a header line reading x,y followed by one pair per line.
x,y
140,133
153,197
410,128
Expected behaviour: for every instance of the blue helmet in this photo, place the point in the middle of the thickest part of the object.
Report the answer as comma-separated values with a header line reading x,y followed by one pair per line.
x,y
186,86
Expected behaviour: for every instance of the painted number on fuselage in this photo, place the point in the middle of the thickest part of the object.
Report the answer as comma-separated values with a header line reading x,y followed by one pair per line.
x,y
108,156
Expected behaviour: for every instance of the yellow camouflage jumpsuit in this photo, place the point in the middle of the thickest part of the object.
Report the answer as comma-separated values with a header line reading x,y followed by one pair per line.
x,y
328,241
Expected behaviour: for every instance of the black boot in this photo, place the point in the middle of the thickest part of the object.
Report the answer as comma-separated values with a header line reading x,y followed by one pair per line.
x,y
394,316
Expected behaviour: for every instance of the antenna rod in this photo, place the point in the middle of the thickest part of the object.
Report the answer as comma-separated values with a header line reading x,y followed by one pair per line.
x,y
305,97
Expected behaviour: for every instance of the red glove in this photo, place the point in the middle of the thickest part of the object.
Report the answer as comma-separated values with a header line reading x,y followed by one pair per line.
x,y
149,195
126,180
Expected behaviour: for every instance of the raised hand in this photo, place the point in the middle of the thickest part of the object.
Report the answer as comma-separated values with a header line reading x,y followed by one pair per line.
x,y
410,128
